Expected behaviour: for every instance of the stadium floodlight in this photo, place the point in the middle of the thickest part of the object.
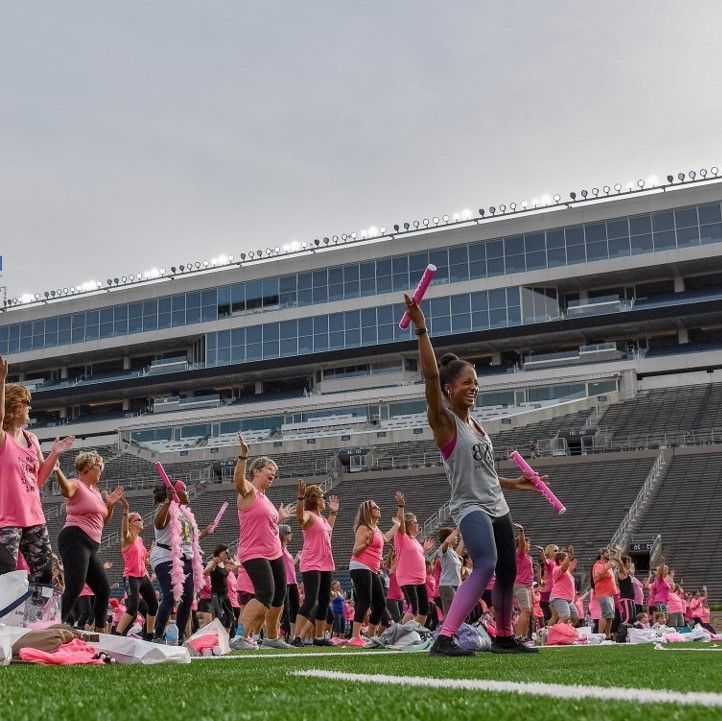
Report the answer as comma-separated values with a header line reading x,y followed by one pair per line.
x,y
545,200
445,218
534,202
703,172
353,236
481,212
416,224
584,194
373,230
131,277
465,214
425,221
46,294
595,192
513,207
652,181
630,186
435,220
276,250
557,198
714,170
364,233
243,257
334,238
618,187
52,293
492,210
457,217
383,230
640,182
692,174
344,237
406,226
680,177
670,179
173,269
304,245
502,208
396,227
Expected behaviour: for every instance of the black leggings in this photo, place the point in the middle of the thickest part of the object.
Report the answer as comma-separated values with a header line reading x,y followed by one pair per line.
x,y
290,608
418,598
221,608
82,611
79,553
369,593
183,608
135,587
317,587
268,579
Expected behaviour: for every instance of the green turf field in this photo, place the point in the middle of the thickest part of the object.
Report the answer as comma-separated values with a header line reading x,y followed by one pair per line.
x,y
262,685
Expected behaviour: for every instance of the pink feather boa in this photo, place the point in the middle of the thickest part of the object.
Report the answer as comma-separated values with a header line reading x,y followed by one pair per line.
x,y
177,575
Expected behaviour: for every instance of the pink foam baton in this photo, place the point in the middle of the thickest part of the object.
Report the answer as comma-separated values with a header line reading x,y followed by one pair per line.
x,y
219,515
419,293
166,481
533,476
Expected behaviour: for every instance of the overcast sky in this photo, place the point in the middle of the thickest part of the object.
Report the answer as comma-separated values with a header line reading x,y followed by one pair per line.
x,y
136,135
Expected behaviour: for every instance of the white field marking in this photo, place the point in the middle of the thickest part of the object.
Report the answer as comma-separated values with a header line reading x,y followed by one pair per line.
x,y
661,647
264,654
553,690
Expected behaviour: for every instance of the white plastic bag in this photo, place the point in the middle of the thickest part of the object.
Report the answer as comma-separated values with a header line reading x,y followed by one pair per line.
x,y
214,627
14,596
133,650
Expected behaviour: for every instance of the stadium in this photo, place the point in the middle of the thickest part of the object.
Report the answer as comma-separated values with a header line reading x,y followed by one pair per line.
x,y
594,323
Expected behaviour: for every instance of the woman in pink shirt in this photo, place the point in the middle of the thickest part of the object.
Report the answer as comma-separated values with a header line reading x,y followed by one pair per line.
x,y
659,588
563,594
23,470
411,563
364,570
87,512
523,583
292,602
394,596
259,547
675,607
135,573
317,565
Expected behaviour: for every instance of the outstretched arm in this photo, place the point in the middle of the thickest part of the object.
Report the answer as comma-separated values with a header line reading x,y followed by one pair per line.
x,y
302,516
400,511
67,488
440,420
243,486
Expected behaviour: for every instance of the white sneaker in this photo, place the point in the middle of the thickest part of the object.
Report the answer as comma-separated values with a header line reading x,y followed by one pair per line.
x,y
241,643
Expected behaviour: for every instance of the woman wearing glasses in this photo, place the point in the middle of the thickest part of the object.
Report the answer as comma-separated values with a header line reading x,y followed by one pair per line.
x,y
23,470
87,512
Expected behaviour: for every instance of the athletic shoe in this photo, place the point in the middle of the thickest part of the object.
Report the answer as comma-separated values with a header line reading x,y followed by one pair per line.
x,y
241,643
447,646
297,642
275,643
322,642
511,644
357,641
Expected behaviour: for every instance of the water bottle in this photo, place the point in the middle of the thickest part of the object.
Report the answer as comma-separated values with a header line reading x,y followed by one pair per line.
x,y
171,634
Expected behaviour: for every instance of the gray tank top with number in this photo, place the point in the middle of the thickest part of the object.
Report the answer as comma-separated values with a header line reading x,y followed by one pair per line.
x,y
474,482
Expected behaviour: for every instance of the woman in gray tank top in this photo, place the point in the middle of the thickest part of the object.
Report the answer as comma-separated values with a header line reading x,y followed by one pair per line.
x,y
477,501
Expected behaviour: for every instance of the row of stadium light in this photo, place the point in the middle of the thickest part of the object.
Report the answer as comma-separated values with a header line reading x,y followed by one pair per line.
x,y
464,216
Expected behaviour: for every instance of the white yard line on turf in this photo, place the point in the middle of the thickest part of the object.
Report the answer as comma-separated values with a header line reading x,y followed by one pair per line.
x,y
553,690
263,654
660,647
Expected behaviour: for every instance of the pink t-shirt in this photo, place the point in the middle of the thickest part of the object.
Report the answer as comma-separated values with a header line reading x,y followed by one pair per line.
x,y
411,564
371,556
674,603
134,557
638,591
658,591
549,566
290,567
231,583
432,587
704,614
536,602
524,569
259,530
243,582
86,510
562,584
317,554
606,585
118,612
394,593
579,605
19,493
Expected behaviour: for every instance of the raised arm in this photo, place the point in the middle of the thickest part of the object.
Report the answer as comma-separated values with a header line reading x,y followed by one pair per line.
x,y
162,514
243,486
333,506
111,499
48,464
302,516
392,531
523,542
124,528
400,511
440,420
67,488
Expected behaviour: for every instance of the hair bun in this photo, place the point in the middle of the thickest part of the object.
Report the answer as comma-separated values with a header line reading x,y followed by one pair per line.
x,y
448,358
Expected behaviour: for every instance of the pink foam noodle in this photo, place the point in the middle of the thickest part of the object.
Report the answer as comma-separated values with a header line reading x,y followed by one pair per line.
x,y
166,481
533,476
419,293
219,515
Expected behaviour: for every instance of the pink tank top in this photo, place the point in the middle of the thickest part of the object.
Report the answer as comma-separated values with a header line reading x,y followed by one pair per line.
x,y
243,581
86,510
411,564
206,593
134,557
19,494
259,530
371,556
317,554
394,593
290,567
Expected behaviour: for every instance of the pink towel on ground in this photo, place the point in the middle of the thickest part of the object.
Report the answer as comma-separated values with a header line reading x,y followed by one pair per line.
x,y
75,651
202,643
